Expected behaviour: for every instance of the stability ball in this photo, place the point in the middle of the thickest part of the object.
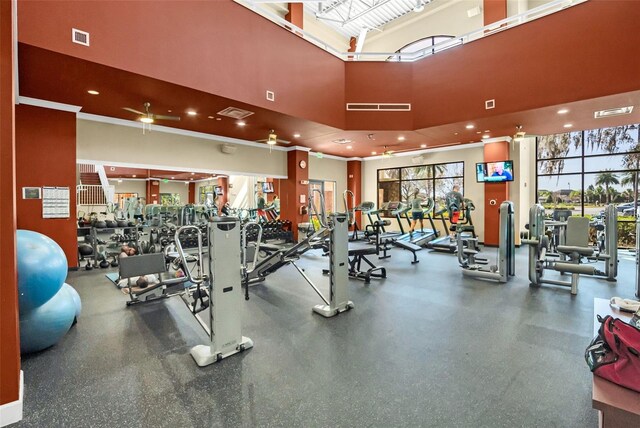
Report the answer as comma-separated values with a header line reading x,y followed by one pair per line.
x,y
75,297
42,269
45,325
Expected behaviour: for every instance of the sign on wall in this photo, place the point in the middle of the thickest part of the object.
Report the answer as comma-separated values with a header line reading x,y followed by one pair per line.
x,y
55,202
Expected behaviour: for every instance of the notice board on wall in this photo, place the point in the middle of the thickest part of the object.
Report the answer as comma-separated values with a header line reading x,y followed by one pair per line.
x,y
55,202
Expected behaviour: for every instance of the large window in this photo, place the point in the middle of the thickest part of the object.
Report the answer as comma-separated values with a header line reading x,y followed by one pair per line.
x,y
584,171
433,181
426,46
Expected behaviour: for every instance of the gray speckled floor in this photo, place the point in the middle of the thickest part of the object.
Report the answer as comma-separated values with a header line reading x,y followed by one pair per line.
x,y
425,347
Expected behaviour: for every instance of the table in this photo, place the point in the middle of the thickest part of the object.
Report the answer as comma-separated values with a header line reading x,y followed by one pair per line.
x,y
617,406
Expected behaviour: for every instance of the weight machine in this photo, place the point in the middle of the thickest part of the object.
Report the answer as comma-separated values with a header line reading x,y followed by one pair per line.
x,y
505,264
576,246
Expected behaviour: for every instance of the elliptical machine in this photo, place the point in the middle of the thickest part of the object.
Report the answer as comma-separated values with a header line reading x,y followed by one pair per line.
x,y
505,264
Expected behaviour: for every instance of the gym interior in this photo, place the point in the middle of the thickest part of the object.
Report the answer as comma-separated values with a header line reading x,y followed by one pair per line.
x,y
320,213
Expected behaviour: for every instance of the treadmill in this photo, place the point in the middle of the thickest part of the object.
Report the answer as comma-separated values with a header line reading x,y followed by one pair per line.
x,y
374,215
418,237
445,243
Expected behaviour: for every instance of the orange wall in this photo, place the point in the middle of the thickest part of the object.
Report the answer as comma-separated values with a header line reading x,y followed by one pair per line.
x,y
9,335
46,156
222,199
546,62
192,193
227,49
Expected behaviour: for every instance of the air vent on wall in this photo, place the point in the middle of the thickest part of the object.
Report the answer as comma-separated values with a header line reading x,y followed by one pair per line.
x,y
613,112
378,107
234,112
79,37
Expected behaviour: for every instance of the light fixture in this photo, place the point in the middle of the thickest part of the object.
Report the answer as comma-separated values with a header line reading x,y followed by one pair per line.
x,y
563,111
169,111
374,153
146,119
273,138
401,138
296,135
485,136
193,173
349,147
319,155
209,117
191,113
470,126
218,118
455,133
419,7
191,179
487,130
478,132
612,112
568,125
134,176
241,123
93,92
173,178
119,181
423,146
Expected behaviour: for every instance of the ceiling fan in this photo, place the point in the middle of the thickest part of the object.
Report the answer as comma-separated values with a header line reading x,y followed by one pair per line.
x,y
147,117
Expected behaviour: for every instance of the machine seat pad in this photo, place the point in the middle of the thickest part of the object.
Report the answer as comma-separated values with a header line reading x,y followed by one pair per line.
x,y
568,249
468,251
270,247
362,251
574,268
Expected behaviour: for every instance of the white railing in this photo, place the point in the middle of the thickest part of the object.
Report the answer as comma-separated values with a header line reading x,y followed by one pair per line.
x,y
109,190
90,194
505,24
86,168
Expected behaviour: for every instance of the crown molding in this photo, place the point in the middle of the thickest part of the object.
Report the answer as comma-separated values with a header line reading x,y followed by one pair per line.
x,y
37,102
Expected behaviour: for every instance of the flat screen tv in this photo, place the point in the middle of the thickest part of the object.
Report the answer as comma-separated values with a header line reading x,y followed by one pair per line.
x,y
267,187
494,172
218,190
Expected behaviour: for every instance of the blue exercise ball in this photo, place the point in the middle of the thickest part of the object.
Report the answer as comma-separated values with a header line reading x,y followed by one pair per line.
x,y
45,325
42,269
75,296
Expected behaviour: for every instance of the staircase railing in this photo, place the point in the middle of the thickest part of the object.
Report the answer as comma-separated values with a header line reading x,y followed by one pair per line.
x,y
109,190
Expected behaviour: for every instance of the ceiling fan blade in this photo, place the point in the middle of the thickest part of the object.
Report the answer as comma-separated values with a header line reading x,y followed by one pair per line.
x,y
163,117
133,111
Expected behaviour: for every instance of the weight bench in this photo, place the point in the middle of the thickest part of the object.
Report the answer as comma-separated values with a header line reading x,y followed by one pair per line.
x,y
149,264
359,255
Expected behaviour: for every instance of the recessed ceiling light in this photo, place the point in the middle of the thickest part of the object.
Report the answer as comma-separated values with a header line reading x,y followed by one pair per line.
x,y
487,130
374,153
424,146
349,147
455,133
209,117
296,135
478,132
241,123
401,138
146,119
218,118
119,181
93,92
193,173
485,136
470,126
563,111
613,112
134,176
173,178
169,111
568,125
191,113
191,179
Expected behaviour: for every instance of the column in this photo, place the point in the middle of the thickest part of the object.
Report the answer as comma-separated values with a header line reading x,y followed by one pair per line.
x,y
494,10
223,182
294,189
9,333
296,14
192,193
354,183
494,193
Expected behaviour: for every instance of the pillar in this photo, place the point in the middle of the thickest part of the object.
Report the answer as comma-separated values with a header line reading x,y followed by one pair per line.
x,y
223,182
46,156
153,190
494,10
296,14
494,193
294,189
192,193
354,183
9,334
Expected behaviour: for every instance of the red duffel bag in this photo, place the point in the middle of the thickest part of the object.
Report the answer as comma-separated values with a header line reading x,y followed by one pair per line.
x,y
614,354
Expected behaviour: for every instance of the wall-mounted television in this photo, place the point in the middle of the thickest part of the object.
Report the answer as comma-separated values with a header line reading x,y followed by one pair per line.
x,y
494,172
218,190
267,187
